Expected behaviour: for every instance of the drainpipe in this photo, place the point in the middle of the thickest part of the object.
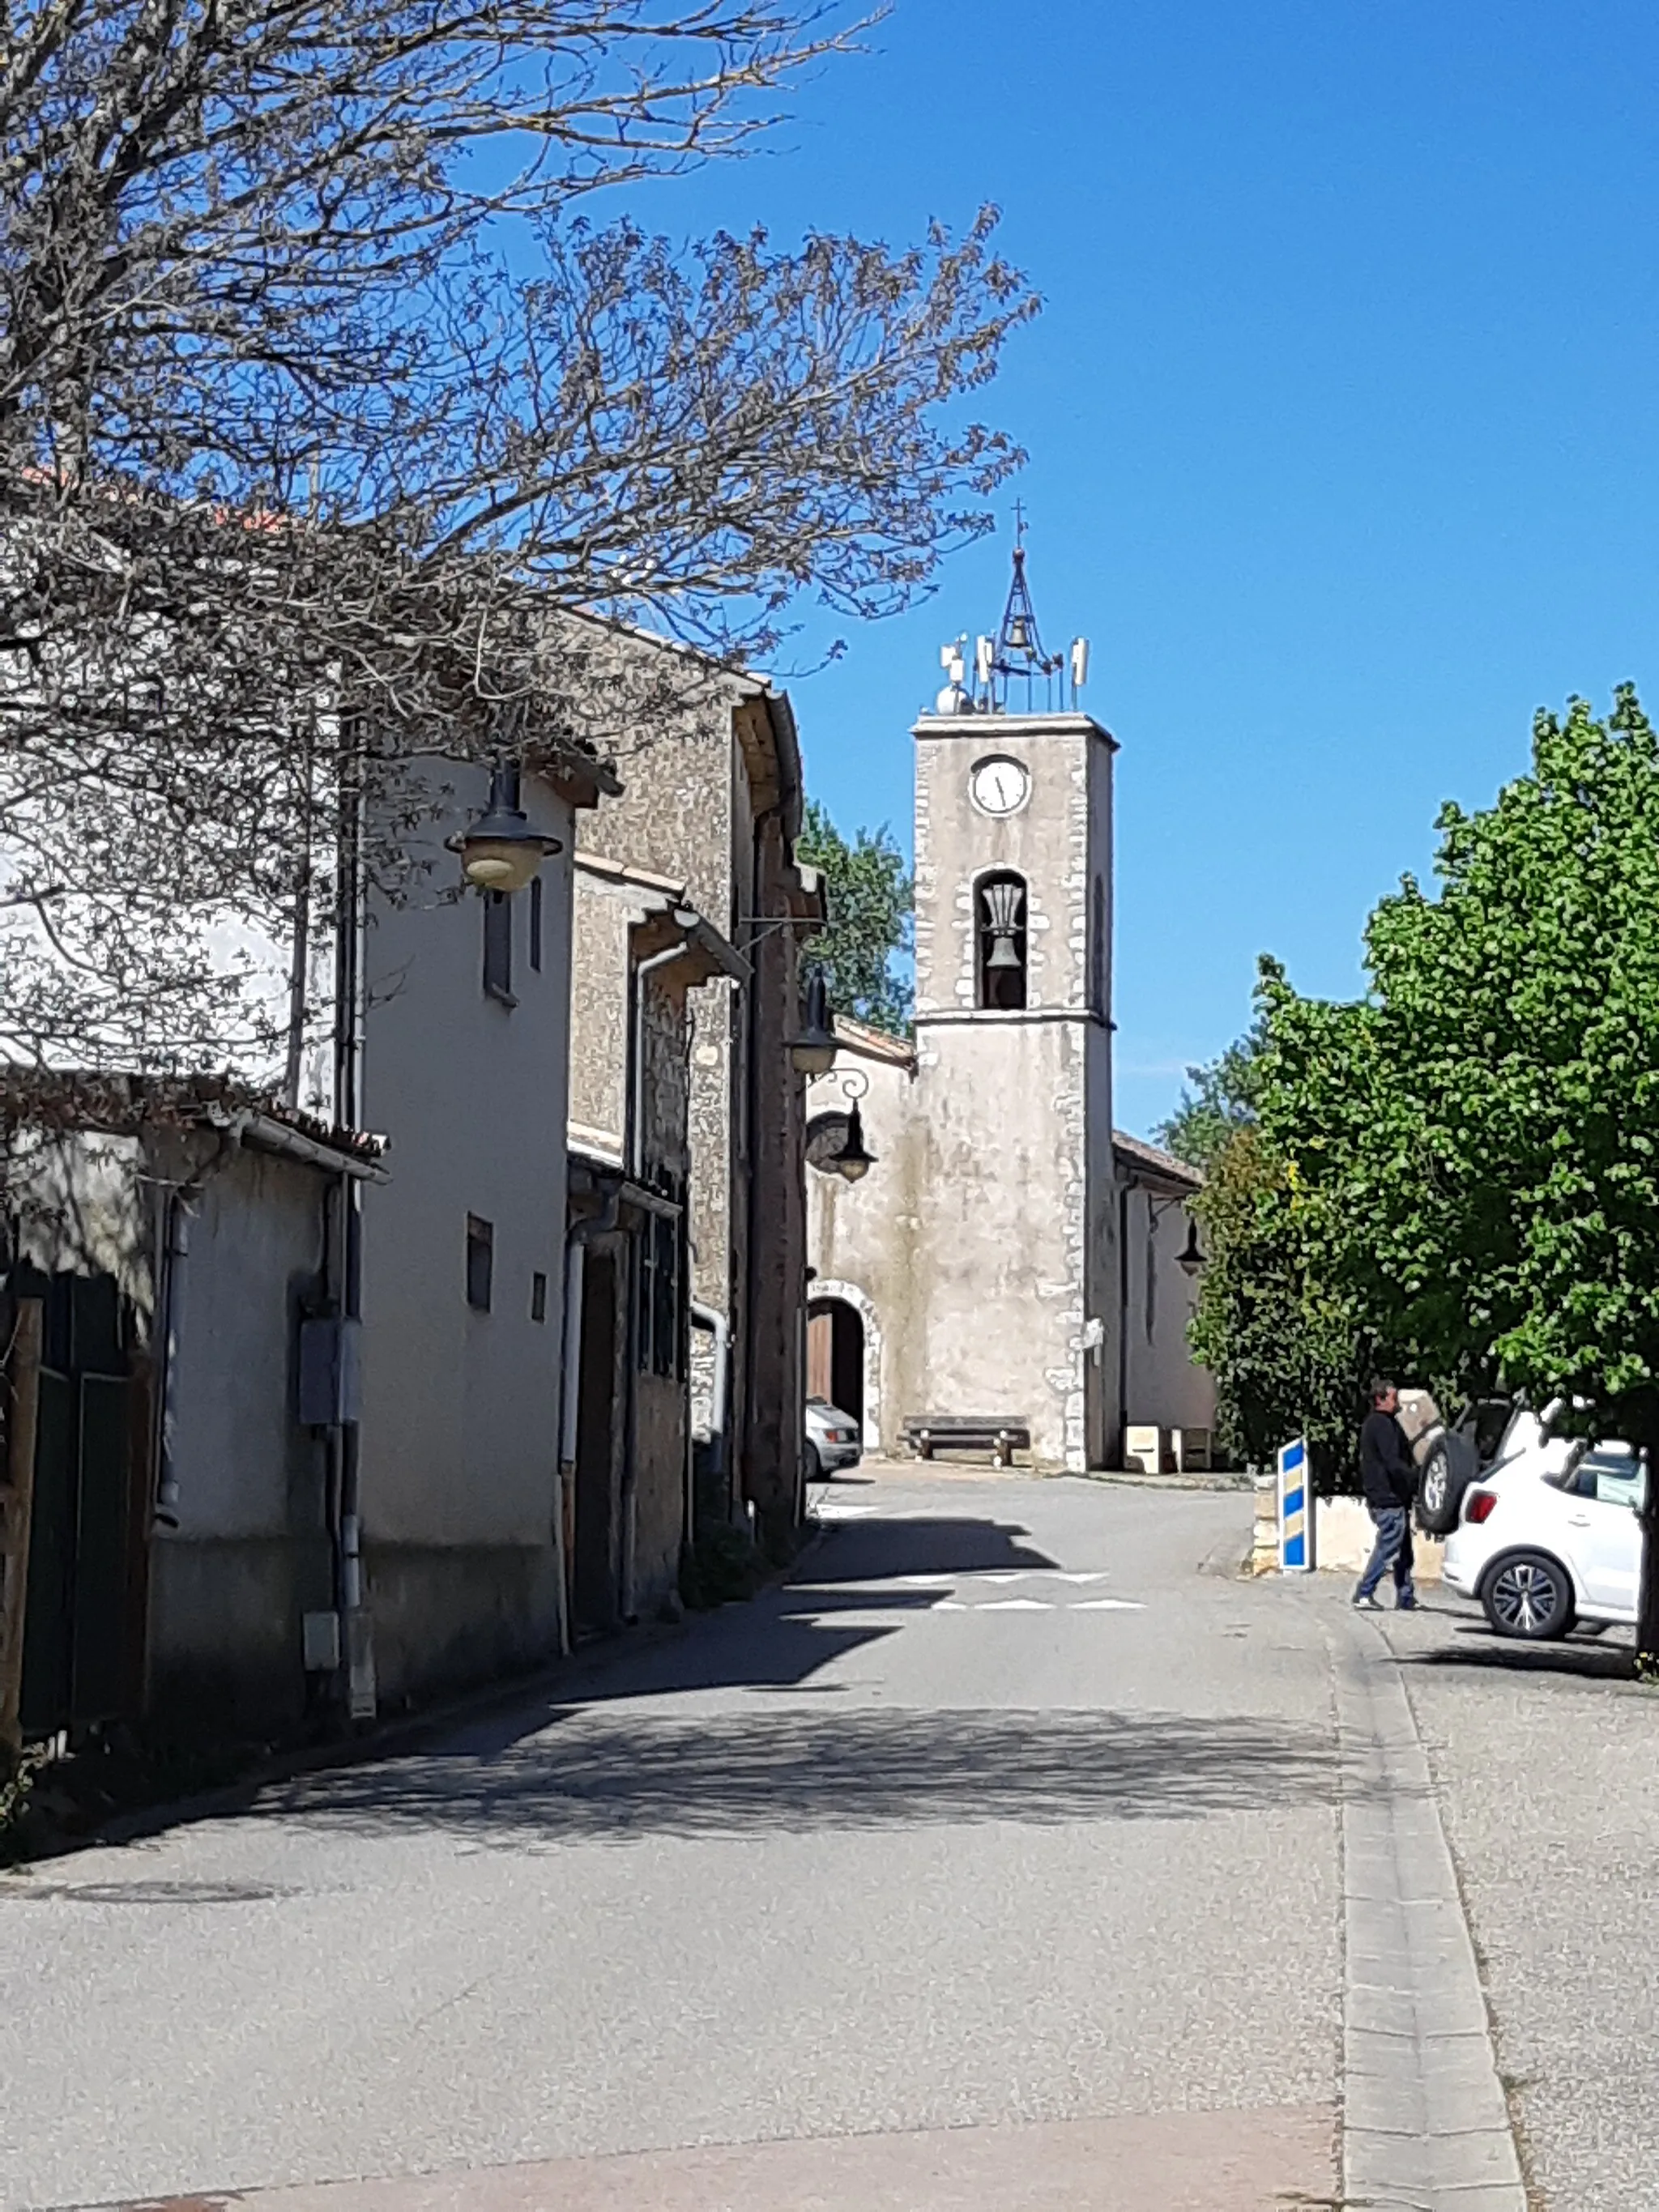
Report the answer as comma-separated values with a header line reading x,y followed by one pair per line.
x,y
355,1627
721,1330
709,1318
1122,1315
175,1250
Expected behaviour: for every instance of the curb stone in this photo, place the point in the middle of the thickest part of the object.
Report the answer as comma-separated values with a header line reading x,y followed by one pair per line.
x,y
1425,2123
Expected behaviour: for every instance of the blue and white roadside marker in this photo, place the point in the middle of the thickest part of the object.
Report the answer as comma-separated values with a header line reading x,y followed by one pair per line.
x,y
1295,1510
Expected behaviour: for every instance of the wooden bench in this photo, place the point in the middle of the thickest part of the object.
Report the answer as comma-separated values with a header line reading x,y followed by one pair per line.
x,y
1000,1434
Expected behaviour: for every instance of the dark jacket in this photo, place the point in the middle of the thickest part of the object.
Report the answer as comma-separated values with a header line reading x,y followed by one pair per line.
x,y
1387,1474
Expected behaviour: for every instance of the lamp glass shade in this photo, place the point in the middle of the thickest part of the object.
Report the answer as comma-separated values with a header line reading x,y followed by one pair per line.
x,y
499,850
809,1056
812,1050
500,863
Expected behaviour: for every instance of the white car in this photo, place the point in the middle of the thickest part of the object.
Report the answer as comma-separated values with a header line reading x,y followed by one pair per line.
x,y
1543,1545
832,1439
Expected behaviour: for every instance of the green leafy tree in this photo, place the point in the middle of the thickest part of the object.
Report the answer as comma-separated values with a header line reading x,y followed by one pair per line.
x,y
1278,1332
1217,1100
871,898
1479,1140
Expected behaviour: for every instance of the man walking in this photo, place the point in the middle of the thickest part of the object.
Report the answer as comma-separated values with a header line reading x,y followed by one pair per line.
x,y
1389,1477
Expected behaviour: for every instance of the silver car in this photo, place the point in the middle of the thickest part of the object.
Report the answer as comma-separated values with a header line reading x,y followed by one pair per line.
x,y
832,1440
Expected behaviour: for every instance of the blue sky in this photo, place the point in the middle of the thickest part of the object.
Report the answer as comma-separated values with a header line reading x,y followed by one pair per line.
x,y
1342,419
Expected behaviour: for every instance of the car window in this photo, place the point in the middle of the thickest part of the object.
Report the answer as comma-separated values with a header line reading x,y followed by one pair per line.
x,y
1491,1420
1613,1474
1617,1478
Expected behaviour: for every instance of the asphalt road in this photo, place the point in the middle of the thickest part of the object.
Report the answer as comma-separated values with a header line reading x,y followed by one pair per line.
x,y
993,1862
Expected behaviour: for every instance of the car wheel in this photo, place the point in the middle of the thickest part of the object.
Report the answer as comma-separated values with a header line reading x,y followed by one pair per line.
x,y
1529,1595
1440,1500
814,1464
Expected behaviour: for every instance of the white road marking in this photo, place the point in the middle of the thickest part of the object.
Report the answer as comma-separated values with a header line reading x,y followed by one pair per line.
x,y
1016,1605
1094,1578
1106,1605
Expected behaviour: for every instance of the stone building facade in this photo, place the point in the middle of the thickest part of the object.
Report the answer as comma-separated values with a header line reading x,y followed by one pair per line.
x,y
643,957
715,807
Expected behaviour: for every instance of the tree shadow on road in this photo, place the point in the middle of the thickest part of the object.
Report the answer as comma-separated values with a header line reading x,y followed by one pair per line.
x,y
786,1771
1476,1653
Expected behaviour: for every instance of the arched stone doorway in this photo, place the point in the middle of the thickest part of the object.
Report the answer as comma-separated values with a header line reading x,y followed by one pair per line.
x,y
834,1355
843,1353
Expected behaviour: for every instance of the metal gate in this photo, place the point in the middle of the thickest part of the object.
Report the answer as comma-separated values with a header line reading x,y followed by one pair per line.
x,y
79,1608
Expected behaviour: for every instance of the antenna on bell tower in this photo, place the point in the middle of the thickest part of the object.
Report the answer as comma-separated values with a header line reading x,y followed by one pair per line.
x,y
1015,653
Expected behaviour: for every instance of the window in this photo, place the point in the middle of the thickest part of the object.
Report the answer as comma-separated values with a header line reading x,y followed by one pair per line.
x,y
659,1282
498,947
539,1295
536,923
480,1262
1610,1473
1000,949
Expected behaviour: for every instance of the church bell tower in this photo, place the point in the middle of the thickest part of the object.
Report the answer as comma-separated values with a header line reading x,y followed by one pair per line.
x,y
1015,1239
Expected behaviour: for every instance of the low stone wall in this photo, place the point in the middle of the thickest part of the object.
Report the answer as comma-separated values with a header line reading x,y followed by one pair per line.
x,y
1344,1533
1343,1536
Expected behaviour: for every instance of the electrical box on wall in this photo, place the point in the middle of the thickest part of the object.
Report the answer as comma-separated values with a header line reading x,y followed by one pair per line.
x,y
319,1637
328,1371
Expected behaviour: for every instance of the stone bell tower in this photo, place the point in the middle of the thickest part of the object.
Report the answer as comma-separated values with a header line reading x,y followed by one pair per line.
x,y
1013,1236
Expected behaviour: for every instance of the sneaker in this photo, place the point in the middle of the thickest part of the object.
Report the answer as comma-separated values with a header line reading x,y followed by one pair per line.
x,y
1405,1605
1368,1605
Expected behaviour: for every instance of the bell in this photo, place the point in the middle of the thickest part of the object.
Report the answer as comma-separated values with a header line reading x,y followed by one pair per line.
x,y
1018,637
1002,953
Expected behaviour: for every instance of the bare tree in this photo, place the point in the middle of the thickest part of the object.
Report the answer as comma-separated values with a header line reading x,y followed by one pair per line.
x,y
330,426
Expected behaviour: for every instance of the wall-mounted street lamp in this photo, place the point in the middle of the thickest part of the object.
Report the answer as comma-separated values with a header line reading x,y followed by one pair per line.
x,y
499,849
853,1159
813,1049
1192,1260
853,1162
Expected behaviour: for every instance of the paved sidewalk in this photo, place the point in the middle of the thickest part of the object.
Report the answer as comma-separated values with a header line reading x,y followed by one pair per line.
x,y
1547,1768
1425,2124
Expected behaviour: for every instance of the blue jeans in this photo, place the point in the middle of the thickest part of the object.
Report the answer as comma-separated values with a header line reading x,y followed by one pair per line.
x,y
1392,1549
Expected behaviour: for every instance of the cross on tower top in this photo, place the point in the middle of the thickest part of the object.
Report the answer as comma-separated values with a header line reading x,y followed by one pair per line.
x,y
1015,653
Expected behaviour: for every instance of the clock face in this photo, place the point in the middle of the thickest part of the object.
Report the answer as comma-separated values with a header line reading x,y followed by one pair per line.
x,y
999,785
